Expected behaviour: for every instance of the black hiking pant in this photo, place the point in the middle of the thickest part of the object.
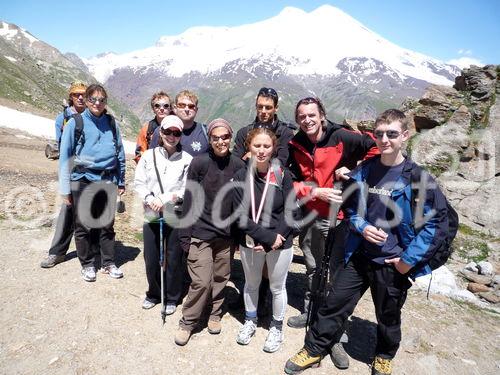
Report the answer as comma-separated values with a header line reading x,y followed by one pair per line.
x,y
388,288
94,206
175,267
64,232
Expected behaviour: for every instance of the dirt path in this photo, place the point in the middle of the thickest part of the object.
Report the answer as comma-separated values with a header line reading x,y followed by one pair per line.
x,y
52,322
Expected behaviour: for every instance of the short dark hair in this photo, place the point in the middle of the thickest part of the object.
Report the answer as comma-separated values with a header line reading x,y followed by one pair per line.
x,y
391,115
310,100
95,88
268,92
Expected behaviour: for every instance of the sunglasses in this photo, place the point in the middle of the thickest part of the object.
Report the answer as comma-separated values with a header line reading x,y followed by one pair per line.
x,y
391,134
176,133
184,105
95,99
223,137
78,94
267,91
161,105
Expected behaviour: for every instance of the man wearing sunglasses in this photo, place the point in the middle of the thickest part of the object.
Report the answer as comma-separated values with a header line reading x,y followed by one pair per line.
x,y
161,106
383,247
194,134
266,106
64,226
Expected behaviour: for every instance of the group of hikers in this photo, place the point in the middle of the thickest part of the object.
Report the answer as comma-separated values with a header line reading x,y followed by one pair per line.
x,y
347,195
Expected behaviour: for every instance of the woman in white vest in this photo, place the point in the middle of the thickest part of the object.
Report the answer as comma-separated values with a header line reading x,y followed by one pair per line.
x,y
160,180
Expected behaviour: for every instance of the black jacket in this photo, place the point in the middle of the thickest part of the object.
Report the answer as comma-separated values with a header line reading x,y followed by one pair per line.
x,y
283,131
274,213
211,173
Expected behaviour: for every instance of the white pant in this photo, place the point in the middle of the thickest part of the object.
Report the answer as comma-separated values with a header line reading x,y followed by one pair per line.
x,y
278,262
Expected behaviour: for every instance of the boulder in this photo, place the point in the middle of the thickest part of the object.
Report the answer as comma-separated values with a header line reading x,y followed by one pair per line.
x,y
474,277
477,288
495,283
436,106
485,268
472,266
480,82
492,297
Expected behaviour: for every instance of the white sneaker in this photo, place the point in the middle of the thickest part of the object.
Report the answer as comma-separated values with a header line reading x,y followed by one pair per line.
x,y
274,339
170,309
113,271
147,304
246,332
88,274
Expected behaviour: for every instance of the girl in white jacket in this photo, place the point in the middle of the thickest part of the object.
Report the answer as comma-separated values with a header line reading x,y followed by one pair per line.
x,y
163,195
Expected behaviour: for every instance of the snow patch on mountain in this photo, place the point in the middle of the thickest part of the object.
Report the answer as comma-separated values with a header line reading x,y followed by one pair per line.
x,y
10,33
294,41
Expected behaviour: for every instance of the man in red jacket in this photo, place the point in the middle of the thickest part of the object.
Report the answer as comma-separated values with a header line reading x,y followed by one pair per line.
x,y
321,153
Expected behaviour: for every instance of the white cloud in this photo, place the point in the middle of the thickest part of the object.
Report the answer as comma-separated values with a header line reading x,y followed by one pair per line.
x,y
465,62
462,51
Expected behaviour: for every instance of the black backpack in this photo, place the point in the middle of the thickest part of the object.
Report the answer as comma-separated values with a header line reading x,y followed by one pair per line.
x,y
444,251
151,129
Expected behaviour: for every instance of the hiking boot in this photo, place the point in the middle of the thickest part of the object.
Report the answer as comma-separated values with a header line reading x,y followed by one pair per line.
x,y
88,274
170,309
298,321
246,332
214,327
274,339
182,336
339,357
52,260
147,304
113,271
381,366
300,361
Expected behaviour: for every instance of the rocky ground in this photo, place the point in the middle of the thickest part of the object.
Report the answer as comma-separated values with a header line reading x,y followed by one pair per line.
x,y
52,322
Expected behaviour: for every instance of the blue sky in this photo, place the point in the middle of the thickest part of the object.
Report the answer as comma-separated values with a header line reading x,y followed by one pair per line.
x,y
444,29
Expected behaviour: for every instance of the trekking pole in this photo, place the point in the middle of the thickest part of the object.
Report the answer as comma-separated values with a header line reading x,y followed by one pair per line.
x,y
320,277
162,270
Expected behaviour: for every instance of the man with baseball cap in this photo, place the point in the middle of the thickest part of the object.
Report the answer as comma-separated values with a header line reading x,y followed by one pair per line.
x,y
64,226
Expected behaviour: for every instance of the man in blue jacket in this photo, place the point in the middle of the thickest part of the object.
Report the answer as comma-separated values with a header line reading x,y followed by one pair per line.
x,y
382,249
91,167
64,226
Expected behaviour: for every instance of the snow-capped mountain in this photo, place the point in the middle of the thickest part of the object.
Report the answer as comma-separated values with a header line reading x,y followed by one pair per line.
x,y
303,43
317,50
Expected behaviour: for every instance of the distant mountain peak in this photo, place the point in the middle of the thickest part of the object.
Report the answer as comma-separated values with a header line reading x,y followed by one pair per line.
x,y
206,49
10,32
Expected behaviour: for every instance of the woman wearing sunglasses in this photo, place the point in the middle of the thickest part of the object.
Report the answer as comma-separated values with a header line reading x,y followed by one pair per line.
x,y
91,174
208,240
160,180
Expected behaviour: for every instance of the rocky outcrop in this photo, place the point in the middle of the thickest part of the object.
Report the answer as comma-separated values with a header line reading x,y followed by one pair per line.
x,y
456,137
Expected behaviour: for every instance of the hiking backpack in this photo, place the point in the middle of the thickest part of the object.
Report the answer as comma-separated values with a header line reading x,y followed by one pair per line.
x,y
52,148
443,252
152,126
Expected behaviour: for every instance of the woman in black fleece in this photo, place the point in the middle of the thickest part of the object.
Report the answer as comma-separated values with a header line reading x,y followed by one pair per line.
x,y
208,239
266,209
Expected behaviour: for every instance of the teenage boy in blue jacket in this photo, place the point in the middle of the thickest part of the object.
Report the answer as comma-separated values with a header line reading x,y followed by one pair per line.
x,y
382,248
